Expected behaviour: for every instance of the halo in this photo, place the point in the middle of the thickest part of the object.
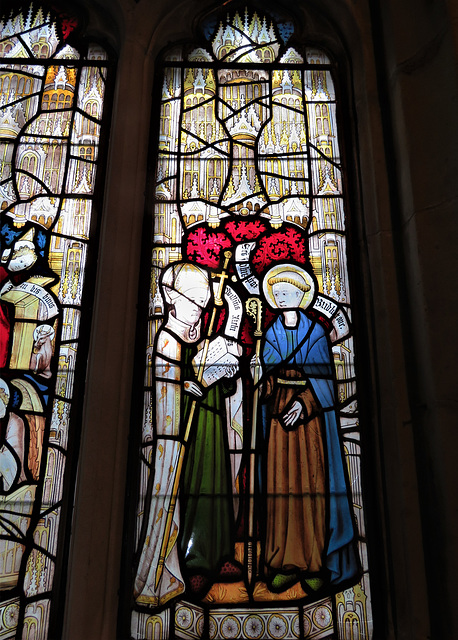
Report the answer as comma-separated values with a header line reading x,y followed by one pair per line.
x,y
43,331
291,274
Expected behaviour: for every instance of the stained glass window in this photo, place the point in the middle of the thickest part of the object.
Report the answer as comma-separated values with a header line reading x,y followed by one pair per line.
x,y
250,519
51,107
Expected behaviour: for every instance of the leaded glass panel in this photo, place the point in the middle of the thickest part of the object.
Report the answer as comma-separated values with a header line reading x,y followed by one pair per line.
x,y
51,109
250,519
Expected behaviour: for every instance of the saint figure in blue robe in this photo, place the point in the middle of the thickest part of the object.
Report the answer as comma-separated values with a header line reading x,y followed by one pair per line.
x,y
309,525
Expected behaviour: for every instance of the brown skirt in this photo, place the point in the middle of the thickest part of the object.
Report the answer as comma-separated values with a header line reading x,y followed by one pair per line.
x,y
296,482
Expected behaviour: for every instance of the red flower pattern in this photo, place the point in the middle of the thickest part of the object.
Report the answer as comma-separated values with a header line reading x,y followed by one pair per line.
x,y
282,245
244,230
68,25
205,247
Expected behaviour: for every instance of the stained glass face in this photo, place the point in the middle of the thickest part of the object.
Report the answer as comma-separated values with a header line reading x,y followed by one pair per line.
x,y
250,521
51,106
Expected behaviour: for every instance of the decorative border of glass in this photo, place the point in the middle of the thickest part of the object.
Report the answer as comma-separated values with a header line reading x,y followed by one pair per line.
x,y
51,107
248,195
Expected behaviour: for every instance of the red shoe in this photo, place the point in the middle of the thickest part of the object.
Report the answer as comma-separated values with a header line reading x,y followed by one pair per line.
x,y
231,571
199,585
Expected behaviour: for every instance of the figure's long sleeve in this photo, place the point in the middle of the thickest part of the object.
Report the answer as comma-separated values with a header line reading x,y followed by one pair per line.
x,y
342,560
167,450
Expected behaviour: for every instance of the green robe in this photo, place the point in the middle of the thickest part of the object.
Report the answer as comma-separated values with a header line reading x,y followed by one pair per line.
x,y
206,512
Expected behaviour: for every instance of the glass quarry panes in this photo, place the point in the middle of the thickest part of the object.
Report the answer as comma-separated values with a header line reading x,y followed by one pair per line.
x,y
51,107
250,517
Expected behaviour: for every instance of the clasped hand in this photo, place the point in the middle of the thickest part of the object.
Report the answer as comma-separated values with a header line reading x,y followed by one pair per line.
x,y
255,367
192,387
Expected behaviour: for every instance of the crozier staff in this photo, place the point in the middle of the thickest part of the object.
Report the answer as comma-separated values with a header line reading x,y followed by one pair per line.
x,y
194,538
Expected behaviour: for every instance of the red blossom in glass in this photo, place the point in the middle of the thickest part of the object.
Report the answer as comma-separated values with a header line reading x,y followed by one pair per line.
x,y
68,22
205,247
283,245
243,230
68,25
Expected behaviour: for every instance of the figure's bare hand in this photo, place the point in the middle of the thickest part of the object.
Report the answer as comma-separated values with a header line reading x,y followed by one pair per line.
x,y
293,414
192,387
255,367
231,370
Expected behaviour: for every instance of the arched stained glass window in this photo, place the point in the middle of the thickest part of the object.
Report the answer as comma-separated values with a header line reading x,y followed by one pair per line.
x,y
52,89
250,519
